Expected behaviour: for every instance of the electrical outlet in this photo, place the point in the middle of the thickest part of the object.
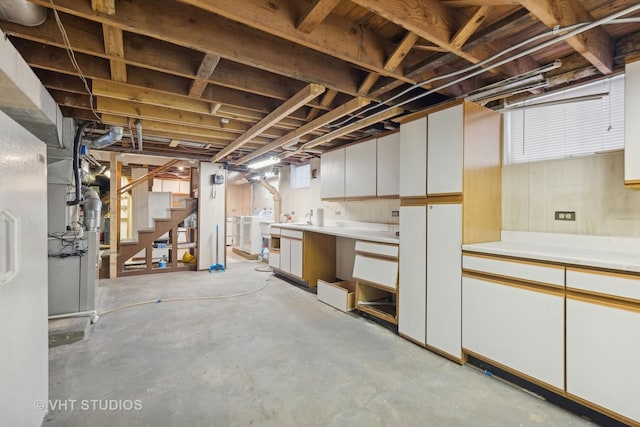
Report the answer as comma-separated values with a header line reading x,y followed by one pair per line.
x,y
565,215
337,213
395,213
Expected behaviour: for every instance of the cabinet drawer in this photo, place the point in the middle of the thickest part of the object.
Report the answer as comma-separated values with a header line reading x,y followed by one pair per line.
x,y
523,270
377,249
612,284
294,234
340,295
275,231
376,271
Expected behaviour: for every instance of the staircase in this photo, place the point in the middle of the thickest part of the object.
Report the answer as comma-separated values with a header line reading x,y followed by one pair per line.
x,y
146,238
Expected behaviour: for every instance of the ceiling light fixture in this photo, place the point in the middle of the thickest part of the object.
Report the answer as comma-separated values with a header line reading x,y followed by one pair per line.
x,y
264,163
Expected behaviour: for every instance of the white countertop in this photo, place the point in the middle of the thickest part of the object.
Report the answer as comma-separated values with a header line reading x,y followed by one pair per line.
x,y
589,251
350,232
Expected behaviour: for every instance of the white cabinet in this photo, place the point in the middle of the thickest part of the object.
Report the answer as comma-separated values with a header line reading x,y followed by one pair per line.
x,y
603,340
632,124
388,165
516,324
285,254
413,158
444,272
444,151
332,174
296,258
360,170
412,291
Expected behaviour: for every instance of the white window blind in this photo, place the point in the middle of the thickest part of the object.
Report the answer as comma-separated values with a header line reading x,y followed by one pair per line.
x,y
575,122
300,176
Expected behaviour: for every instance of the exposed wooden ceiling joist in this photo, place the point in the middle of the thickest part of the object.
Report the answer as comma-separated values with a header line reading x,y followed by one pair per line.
x,y
331,116
301,98
175,23
595,44
208,65
334,36
317,12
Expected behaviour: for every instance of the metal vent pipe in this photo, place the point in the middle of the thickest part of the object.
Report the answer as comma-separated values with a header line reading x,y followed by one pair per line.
x,y
22,12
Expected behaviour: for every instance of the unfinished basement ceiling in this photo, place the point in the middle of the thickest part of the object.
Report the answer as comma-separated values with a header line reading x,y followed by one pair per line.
x,y
232,80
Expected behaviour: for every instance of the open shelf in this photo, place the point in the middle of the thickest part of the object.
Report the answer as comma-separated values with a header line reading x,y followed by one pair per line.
x,y
377,302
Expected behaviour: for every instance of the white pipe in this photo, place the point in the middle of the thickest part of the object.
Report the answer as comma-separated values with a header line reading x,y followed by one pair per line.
x,y
22,12
573,31
276,198
93,314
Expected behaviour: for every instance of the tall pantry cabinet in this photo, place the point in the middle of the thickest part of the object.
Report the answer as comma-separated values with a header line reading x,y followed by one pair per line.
x,y
450,189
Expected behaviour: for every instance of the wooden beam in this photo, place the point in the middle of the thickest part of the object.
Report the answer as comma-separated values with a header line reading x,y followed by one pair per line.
x,y
407,43
104,6
368,121
157,55
119,107
351,106
207,66
191,27
114,47
148,175
301,98
470,27
334,36
327,99
595,45
131,93
187,131
317,12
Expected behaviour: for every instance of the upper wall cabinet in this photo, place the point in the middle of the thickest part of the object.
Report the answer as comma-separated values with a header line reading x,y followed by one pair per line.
x,y
332,174
413,158
388,165
360,169
632,125
444,151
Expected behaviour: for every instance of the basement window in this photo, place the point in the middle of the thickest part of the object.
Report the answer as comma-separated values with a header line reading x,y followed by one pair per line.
x,y
580,121
300,176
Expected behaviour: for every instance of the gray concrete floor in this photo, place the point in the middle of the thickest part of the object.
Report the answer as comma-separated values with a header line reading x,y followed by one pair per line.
x,y
276,357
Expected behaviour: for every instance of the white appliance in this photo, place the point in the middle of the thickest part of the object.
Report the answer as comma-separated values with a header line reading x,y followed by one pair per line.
x,y
23,275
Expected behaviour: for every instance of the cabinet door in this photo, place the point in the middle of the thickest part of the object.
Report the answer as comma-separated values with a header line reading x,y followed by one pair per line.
x,y
631,123
413,158
332,174
517,327
360,169
388,168
296,258
444,278
603,348
444,151
412,291
285,255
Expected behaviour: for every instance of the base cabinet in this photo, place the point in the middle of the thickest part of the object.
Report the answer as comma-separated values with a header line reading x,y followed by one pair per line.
x,y
521,329
603,340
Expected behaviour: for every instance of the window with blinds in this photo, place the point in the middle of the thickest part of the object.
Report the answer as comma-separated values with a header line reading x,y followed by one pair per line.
x,y
300,176
574,122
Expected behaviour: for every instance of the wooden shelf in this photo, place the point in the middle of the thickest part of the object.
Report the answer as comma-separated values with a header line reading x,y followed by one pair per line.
x,y
377,302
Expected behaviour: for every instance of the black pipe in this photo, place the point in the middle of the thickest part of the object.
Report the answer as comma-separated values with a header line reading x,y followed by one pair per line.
x,y
77,143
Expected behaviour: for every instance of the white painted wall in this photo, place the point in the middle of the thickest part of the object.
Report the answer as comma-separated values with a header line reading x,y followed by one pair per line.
x,y
211,211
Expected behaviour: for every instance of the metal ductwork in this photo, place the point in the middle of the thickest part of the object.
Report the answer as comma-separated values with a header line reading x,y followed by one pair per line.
x,y
92,209
114,135
22,12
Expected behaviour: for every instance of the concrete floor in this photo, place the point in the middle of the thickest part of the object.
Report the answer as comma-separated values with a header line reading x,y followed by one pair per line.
x,y
276,357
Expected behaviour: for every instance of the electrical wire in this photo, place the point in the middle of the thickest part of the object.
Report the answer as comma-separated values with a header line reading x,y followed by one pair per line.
x,y
571,31
74,62
138,304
